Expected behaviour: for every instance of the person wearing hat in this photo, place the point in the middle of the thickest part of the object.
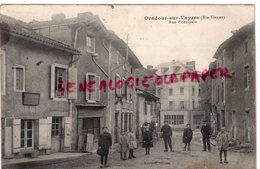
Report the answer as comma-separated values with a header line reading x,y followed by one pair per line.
x,y
167,134
104,143
147,140
187,137
206,133
222,142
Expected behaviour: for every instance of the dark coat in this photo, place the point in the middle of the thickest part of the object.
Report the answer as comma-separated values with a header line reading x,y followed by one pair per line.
x,y
187,135
205,131
147,139
166,130
105,140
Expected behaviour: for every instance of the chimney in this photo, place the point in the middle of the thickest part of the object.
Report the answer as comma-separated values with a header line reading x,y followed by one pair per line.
x,y
191,63
85,15
149,67
58,17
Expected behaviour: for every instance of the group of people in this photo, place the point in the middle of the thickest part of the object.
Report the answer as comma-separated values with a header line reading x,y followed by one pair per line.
x,y
127,141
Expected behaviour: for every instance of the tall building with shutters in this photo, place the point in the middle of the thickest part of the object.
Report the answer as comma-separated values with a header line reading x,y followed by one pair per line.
x,y
36,110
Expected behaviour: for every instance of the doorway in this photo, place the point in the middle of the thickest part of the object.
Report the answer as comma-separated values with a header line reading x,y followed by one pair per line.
x,y
56,134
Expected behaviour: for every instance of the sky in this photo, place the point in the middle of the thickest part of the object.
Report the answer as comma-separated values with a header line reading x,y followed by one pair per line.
x,y
155,41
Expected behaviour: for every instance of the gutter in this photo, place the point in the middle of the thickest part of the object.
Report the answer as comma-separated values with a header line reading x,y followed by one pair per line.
x,y
75,43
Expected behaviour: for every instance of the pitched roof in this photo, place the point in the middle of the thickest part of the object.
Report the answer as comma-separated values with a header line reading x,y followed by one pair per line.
x,y
87,19
21,29
238,36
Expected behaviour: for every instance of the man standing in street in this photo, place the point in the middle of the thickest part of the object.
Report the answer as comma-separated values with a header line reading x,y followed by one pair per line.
x,y
104,143
206,133
167,134
187,137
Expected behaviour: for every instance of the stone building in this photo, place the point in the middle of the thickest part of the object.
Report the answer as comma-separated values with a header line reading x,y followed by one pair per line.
x,y
36,112
147,104
105,57
87,34
181,101
234,98
122,101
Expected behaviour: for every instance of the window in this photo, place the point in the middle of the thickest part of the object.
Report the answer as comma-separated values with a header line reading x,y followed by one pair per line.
x,y
246,77
90,43
193,104
222,91
199,102
247,127
193,91
93,96
232,81
233,56
218,94
27,130
118,57
91,125
19,78
151,109
124,89
171,105
174,119
125,121
55,129
199,92
58,81
181,104
246,47
3,71
145,108
181,91
233,129
170,92
223,118
118,91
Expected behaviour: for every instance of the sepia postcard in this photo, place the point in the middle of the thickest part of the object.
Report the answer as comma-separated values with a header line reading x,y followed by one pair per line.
x,y
128,86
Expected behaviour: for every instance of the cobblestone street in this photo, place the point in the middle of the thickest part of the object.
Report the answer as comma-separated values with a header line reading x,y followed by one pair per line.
x,y
179,159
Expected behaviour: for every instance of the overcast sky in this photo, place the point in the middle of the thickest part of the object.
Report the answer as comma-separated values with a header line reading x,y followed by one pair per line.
x,y
152,41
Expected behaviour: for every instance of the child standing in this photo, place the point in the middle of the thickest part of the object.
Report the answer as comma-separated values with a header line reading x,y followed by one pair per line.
x,y
222,142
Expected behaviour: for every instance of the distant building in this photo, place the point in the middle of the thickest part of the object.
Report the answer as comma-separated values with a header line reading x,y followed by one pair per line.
x,y
206,98
181,101
121,115
233,100
36,111
148,104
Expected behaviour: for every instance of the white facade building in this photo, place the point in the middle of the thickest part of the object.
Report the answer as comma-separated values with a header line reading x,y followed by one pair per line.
x,y
181,101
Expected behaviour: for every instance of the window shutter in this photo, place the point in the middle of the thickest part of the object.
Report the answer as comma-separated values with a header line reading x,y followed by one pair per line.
x,y
116,89
67,133
97,88
45,133
16,135
73,79
87,92
52,87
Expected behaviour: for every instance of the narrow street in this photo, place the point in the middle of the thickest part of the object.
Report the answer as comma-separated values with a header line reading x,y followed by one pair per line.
x,y
179,159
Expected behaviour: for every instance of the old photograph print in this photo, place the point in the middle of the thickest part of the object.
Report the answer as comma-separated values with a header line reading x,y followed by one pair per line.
x,y
128,86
